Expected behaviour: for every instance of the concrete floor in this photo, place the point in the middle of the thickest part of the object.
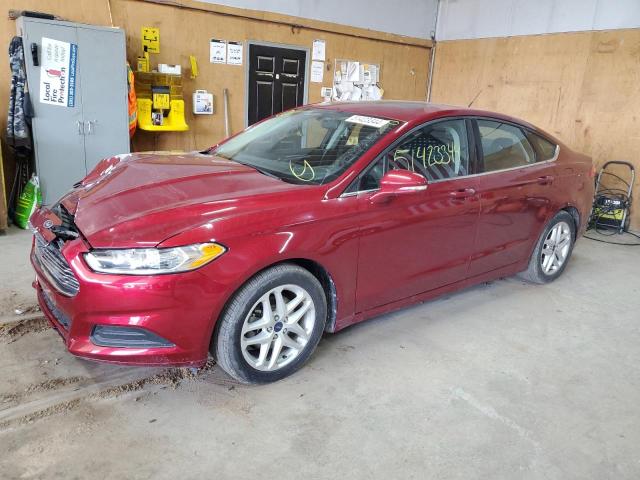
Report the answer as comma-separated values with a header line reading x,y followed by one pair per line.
x,y
500,381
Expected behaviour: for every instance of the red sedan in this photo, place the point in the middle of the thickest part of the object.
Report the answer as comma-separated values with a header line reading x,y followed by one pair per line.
x,y
307,222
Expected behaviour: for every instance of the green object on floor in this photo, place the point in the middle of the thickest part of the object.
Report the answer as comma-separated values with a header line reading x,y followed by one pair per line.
x,y
29,199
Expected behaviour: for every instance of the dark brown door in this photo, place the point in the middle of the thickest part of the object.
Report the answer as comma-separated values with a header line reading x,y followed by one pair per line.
x,y
276,80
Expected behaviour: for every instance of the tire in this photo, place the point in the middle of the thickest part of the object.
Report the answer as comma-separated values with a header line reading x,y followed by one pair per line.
x,y
247,326
542,268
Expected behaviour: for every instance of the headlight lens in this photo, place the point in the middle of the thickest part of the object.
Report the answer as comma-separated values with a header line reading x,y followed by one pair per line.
x,y
151,261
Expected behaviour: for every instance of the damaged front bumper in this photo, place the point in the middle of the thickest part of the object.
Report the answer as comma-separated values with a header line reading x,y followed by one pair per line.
x,y
125,319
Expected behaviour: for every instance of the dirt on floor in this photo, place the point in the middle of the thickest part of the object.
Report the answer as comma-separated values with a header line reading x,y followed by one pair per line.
x,y
14,329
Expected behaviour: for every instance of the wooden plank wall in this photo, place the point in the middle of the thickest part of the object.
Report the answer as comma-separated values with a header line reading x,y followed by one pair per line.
x,y
582,87
186,31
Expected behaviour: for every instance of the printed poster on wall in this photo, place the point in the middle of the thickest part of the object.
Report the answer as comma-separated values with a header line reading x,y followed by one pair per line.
x,y
234,53
317,71
58,72
218,51
318,51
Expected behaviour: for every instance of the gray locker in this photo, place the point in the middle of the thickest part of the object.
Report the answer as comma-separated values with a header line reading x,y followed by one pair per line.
x,y
70,140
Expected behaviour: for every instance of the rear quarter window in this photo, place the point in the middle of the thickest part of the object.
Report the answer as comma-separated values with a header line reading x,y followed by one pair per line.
x,y
546,149
504,146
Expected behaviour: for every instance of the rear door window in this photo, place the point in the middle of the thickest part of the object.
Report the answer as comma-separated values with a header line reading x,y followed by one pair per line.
x,y
504,146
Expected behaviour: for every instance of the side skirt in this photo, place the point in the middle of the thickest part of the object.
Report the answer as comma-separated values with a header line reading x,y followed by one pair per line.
x,y
431,294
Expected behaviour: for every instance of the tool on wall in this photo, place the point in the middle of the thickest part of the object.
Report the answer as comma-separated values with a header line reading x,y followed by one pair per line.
x,y
227,128
194,66
611,208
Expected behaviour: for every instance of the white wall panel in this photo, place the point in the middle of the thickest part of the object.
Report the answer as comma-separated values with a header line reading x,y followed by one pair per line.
x,y
625,15
460,19
531,17
413,18
572,15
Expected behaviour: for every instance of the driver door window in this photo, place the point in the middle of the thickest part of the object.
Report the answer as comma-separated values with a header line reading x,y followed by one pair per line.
x,y
438,151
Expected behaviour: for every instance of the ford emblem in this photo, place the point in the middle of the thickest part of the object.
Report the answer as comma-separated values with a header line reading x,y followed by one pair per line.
x,y
47,224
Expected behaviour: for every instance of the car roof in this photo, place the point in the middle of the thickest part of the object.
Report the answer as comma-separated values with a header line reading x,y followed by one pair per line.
x,y
413,111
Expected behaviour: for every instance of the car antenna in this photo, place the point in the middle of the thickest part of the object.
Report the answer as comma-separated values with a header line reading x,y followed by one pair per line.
x,y
474,98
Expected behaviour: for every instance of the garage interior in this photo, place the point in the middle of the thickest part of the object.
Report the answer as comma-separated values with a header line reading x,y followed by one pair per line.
x,y
501,380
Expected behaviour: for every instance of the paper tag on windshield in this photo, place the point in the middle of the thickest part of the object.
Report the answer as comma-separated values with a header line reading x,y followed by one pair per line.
x,y
369,121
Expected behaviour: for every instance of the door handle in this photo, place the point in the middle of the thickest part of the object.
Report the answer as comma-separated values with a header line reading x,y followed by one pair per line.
x,y
80,127
90,126
34,54
545,180
462,193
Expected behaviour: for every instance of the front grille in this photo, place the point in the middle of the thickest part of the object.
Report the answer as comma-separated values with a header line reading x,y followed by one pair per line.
x,y
55,266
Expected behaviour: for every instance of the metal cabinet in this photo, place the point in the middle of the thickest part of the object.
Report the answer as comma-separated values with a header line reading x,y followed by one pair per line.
x,y
69,140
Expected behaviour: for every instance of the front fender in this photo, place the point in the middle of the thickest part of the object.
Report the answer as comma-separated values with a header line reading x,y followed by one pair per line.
x,y
332,244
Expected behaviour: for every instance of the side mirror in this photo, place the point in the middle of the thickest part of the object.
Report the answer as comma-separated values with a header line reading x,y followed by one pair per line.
x,y
396,183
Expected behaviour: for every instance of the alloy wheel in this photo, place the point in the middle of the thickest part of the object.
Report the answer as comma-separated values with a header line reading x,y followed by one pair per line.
x,y
278,327
555,249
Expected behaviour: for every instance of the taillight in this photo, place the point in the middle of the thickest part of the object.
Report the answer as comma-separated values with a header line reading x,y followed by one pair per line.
x,y
592,173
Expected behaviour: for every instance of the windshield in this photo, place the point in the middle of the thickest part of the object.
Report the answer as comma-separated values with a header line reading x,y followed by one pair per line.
x,y
312,146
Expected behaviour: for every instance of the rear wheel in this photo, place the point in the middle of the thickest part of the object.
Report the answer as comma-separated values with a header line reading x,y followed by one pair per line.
x,y
272,325
552,251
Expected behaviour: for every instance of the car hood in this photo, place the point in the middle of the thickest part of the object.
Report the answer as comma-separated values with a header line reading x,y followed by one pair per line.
x,y
142,199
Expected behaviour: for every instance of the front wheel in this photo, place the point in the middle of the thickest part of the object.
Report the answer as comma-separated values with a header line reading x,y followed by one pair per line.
x,y
552,251
272,325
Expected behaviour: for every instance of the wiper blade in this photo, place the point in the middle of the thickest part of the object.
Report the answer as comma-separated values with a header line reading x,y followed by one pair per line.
x,y
261,170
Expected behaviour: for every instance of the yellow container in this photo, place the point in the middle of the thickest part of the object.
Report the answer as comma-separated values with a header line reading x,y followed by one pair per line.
x,y
173,122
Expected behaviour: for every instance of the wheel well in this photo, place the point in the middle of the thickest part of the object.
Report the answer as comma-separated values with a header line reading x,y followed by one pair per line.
x,y
317,271
323,277
328,286
573,211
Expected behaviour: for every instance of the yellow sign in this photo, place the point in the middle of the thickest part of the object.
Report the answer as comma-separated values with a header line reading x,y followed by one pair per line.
x,y
151,39
161,101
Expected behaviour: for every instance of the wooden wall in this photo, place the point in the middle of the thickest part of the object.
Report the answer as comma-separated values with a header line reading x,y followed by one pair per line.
x,y
186,26
186,31
582,87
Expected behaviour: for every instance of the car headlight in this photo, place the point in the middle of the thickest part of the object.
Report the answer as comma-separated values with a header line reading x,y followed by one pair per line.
x,y
151,261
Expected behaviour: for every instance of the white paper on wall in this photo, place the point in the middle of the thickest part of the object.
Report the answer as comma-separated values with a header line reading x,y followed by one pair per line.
x,y
373,69
356,81
318,52
356,94
317,71
353,71
234,53
218,51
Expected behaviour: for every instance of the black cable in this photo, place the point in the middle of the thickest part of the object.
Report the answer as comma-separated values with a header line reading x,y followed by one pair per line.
x,y
616,243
